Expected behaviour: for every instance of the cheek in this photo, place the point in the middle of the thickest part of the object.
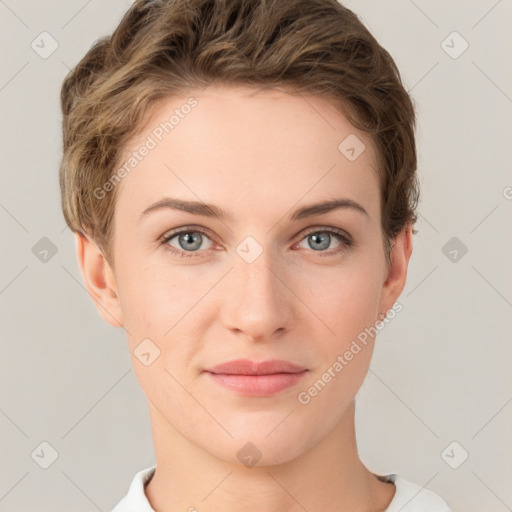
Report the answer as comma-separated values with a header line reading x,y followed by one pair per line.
x,y
151,298
159,310
347,301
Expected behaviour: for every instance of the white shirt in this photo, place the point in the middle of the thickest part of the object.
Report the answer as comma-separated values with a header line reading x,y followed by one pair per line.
x,y
408,497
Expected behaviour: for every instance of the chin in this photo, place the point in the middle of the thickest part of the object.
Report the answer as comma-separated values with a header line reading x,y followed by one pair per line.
x,y
262,443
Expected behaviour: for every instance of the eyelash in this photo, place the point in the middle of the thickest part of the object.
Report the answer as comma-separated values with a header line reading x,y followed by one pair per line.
x,y
340,235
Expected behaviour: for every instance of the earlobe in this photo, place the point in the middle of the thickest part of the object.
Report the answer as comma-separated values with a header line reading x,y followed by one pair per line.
x,y
99,280
397,270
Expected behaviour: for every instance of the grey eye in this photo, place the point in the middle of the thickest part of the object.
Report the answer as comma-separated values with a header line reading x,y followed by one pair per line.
x,y
189,240
321,240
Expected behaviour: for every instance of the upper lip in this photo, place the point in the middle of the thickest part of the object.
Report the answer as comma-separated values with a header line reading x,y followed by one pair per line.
x,y
248,367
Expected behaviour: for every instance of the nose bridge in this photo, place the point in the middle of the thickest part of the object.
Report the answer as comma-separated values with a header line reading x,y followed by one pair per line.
x,y
257,301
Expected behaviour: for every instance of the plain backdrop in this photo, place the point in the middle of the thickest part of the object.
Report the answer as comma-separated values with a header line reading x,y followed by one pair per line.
x,y
436,405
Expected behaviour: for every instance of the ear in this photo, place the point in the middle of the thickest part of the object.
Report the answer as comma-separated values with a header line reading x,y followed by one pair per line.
x,y
397,271
99,280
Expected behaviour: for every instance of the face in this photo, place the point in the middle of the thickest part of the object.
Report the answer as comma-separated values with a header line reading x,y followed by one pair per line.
x,y
195,289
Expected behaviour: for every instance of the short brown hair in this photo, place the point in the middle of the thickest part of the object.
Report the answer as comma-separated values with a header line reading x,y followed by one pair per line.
x,y
166,47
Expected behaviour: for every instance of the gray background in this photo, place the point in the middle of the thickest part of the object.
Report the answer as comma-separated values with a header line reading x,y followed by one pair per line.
x,y
441,368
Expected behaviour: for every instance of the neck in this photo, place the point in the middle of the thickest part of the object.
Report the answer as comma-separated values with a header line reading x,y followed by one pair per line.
x,y
330,477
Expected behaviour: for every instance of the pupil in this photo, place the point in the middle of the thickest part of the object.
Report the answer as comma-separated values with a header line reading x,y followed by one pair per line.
x,y
318,242
191,240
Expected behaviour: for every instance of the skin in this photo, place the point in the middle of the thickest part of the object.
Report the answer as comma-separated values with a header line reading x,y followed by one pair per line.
x,y
259,156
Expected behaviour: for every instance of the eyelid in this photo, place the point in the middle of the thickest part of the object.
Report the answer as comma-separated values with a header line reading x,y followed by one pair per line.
x,y
320,229
185,229
201,229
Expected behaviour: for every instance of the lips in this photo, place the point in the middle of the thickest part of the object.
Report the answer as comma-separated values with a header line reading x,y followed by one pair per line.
x,y
248,367
253,378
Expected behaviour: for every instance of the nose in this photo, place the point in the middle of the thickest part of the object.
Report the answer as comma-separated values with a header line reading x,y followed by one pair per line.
x,y
258,300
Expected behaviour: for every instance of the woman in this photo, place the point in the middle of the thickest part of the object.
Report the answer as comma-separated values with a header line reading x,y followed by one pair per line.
x,y
241,179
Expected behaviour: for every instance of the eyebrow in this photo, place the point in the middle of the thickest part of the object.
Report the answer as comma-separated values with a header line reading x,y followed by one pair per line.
x,y
212,211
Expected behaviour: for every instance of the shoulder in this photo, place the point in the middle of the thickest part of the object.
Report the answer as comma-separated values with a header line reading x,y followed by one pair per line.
x,y
408,497
136,500
411,497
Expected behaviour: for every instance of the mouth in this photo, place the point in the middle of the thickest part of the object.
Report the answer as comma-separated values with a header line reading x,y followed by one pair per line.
x,y
252,378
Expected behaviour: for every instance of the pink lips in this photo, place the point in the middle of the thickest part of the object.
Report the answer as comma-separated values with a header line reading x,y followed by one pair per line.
x,y
257,378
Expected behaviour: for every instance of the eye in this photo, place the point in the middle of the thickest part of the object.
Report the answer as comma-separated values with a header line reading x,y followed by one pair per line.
x,y
187,243
320,239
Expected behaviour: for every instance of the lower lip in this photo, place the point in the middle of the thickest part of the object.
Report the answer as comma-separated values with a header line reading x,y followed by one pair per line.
x,y
258,385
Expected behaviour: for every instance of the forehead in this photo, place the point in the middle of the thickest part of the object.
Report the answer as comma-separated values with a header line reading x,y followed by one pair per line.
x,y
247,147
